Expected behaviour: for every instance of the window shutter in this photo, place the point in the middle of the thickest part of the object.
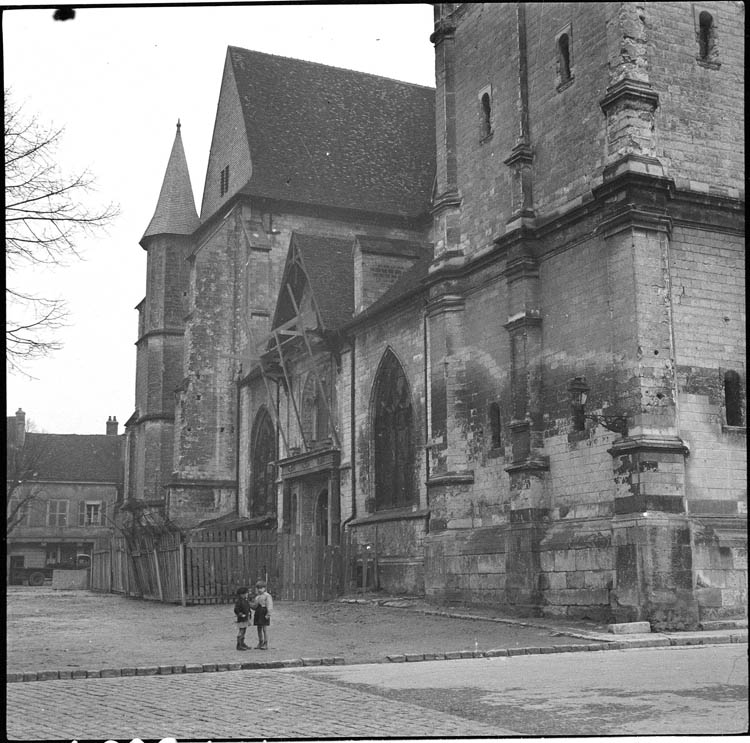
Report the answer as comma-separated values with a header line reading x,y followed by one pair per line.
x,y
81,513
102,513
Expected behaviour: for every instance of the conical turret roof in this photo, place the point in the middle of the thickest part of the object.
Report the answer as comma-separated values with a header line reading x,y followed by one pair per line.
x,y
175,211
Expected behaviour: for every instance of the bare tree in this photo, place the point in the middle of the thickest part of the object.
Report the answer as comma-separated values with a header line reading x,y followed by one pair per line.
x,y
22,488
45,214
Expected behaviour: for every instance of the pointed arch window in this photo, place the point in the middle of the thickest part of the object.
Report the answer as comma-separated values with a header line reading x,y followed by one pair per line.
x,y
262,496
393,429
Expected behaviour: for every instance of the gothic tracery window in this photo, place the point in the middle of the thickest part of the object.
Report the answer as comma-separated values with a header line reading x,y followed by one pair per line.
x,y
394,437
262,499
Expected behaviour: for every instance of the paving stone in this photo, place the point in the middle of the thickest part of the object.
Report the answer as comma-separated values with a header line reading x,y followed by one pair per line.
x,y
629,628
128,671
12,678
209,667
453,655
396,658
47,675
31,676
311,662
193,668
147,670
166,670
655,642
497,653
414,657
107,673
93,674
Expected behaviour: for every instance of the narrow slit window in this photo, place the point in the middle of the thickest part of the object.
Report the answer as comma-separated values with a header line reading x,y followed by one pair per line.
x,y
733,398
563,57
706,36
224,180
486,115
495,428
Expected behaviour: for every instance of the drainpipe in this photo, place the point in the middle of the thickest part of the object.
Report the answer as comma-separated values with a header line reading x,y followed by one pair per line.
x,y
352,453
237,443
426,412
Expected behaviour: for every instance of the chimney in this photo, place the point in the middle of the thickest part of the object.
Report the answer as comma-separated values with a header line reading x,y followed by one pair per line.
x,y
20,427
112,425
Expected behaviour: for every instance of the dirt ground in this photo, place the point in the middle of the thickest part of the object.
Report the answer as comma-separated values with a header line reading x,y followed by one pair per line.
x,y
52,629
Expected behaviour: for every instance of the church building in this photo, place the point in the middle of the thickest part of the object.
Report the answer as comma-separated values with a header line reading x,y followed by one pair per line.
x,y
494,330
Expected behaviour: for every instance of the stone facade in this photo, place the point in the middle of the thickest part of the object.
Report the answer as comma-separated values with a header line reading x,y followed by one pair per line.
x,y
517,370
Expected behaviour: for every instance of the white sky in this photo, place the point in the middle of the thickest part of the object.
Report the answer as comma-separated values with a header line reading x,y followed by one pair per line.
x,y
117,80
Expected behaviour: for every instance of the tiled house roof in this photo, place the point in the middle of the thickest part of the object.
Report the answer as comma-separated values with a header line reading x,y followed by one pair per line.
x,y
328,136
75,458
175,212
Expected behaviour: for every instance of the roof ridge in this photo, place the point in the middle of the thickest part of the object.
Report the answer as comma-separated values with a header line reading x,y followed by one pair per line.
x,y
332,67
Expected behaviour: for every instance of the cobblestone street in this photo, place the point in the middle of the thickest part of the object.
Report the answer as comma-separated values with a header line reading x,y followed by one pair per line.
x,y
237,704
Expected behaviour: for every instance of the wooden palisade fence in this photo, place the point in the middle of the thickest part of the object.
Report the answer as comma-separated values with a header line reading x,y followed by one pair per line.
x,y
207,566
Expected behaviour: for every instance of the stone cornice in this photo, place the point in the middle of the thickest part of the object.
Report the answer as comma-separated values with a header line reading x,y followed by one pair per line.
x,y
649,443
629,91
451,478
162,416
445,303
190,482
446,200
528,319
161,332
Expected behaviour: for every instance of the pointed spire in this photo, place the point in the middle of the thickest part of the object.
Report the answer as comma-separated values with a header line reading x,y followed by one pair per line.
x,y
175,212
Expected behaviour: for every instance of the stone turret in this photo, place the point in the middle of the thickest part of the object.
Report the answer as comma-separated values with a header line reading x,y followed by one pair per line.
x,y
168,242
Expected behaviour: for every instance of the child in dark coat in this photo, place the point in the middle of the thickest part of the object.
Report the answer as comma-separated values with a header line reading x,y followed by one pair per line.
x,y
243,610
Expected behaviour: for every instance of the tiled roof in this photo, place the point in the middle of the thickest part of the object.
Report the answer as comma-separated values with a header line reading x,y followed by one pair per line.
x,y
328,136
175,212
75,458
329,265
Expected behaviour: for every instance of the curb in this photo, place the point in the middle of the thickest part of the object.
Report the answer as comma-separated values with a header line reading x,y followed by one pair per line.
x,y
170,669
621,644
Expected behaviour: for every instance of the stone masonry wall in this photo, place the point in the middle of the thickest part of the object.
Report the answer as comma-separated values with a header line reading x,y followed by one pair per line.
x,y
700,119
566,125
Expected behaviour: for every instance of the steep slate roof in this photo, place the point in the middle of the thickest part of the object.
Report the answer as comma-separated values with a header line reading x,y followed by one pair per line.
x,y
66,457
175,212
328,136
329,266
